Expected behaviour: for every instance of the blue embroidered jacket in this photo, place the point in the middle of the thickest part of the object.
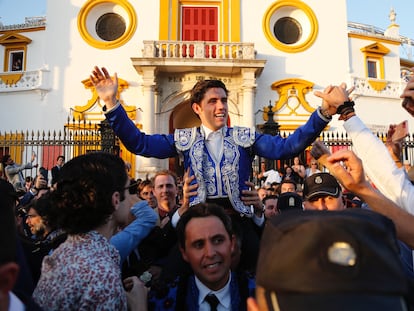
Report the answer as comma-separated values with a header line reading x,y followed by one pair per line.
x,y
226,178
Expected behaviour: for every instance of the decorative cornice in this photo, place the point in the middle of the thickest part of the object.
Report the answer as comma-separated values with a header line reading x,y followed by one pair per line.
x,y
30,24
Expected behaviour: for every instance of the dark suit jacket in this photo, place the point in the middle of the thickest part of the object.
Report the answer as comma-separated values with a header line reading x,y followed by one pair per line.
x,y
55,174
182,294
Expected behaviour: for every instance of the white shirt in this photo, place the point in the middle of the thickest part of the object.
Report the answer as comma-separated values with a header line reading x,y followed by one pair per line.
x,y
271,177
214,141
379,165
223,295
15,304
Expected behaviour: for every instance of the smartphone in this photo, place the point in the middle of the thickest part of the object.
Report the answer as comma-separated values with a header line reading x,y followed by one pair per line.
x,y
44,173
401,131
408,105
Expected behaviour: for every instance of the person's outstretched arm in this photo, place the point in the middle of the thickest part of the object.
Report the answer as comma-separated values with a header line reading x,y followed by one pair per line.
x,y
352,177
158,145
128,239
379,165
276,147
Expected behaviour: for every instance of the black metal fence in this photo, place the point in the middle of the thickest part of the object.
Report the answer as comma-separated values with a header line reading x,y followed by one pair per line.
x,y
334,141
75,139
79,137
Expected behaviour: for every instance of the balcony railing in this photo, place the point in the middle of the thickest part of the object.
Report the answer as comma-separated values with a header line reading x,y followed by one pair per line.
x,y
15,81
198,50
29,22
363,87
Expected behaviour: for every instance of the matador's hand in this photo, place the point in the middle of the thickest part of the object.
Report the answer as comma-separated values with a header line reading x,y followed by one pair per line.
x,y
333,97
105,86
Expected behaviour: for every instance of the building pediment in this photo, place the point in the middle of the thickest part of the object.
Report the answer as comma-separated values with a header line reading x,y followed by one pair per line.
x,y
376,48
14,38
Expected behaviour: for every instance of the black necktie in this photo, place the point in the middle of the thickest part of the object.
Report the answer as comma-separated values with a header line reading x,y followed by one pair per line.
x,y
212,301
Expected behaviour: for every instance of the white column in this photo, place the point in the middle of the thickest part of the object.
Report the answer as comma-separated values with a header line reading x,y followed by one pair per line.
x,y
148,165
249,92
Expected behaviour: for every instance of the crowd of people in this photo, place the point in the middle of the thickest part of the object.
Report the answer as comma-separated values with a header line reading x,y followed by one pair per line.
x,y
332,234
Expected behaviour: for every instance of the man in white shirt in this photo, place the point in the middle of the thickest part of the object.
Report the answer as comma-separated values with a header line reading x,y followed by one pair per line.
x,y
14,171
379,165
271,177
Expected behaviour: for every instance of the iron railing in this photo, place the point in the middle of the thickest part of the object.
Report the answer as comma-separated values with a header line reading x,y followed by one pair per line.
x,y
334,141
79,137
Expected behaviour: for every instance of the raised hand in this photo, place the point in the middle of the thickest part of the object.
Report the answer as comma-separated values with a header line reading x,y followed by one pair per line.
x,y
136,293
251,197
333,97
105,86
189,190
40,182
348,169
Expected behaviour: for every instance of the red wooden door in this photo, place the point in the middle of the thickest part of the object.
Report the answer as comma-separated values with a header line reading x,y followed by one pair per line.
x,y
199,24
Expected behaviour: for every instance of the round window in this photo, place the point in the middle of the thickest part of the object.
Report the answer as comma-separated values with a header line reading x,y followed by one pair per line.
x,y
107,24
290,26
110,26
287,30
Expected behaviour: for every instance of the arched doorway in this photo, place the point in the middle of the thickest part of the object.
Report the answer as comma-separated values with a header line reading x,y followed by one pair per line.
x,y
181,117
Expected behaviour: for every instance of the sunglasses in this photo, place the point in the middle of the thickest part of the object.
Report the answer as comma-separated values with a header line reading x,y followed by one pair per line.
x,y
131,186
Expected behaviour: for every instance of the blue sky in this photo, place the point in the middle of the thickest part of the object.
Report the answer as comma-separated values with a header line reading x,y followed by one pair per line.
x,y
14,11
373,12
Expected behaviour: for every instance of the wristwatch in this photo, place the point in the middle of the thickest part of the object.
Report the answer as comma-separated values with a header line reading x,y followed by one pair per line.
x,y
325,113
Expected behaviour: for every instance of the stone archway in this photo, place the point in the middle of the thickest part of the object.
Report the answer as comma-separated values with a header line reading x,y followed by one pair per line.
x,y
183,117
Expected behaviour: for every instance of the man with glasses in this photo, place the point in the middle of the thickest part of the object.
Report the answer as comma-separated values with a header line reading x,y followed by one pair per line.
x,y
46,236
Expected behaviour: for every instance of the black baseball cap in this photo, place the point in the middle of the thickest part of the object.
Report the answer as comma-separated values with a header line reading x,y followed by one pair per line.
x,y
331,260
288,201
320,185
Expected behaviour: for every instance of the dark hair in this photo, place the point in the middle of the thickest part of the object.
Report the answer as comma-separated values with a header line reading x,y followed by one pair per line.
x,y
5,158
201,87
61,156
133,186
289,181
270,197
42,206
143,184
82,200
202,210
